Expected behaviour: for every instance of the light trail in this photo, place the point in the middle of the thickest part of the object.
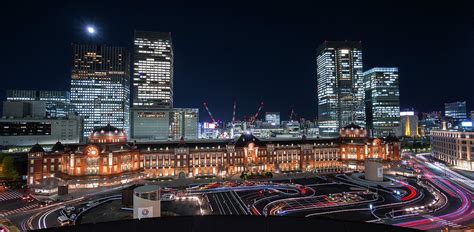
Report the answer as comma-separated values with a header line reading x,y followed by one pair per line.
x,y
462,213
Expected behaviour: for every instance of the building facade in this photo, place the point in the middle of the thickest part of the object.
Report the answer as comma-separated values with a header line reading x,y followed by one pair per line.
x,y
382,101
164,124
24,109
107,159
273,118
409,124
455,110
57,102
453,147
431,121
340,86
28,131
153,70
100,85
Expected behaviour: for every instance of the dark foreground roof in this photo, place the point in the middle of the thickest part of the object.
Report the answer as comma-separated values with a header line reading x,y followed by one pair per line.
x,y
230,224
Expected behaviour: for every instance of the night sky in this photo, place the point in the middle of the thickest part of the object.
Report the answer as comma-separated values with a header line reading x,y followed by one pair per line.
x,y
252,52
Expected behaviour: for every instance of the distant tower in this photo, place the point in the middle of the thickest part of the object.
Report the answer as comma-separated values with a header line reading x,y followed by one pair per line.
x,y
407,127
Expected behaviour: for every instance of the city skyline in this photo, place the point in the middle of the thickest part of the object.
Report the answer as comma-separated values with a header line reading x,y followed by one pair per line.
x,y
246,73
292,116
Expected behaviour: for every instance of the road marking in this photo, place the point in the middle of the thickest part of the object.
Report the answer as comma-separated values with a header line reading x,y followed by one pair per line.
x,y
10,195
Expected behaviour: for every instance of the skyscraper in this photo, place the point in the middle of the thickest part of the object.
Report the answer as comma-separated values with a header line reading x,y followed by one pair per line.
x,y
153,116
100,85
340,86
455,110
153,70
382,101
57,102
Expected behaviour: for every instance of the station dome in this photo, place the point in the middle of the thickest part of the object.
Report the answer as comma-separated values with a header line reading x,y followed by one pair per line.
x,y
353,131
36,148
107,134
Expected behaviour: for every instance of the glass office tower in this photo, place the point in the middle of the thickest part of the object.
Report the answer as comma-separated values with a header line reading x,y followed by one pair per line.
x,y
100,86
340,86
382,101
455,110
153,70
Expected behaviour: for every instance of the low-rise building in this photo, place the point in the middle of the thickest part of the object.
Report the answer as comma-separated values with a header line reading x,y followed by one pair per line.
x,y
28,131
164,124
108,159
454,147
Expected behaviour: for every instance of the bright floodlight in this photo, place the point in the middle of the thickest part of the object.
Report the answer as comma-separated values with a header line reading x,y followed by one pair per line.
x,y
90,29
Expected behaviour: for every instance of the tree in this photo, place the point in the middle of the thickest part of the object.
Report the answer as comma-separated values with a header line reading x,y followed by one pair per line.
x,y
8,170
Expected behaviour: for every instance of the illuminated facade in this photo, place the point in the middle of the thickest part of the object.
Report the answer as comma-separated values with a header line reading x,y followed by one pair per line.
x,y
455,110
409,124
382,101
153,70
164,124
28,131
454,147
57,102
100,86
340,86
273,118
107,159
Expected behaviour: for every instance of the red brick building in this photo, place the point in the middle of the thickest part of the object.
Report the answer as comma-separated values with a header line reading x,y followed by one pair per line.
x,y
108,159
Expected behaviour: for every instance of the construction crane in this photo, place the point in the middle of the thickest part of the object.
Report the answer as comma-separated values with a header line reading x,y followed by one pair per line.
x,y
254,117
210,114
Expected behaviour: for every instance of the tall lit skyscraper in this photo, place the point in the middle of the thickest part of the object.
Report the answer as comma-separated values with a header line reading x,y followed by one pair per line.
x,y
340,86
100,85
455,110
382,101
153,70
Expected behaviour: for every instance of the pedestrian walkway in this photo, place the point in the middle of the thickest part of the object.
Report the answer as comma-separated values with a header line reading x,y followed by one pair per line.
x,y
9,195
5,213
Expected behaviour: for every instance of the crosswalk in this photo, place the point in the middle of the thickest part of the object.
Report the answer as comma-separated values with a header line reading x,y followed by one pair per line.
x,y
9,195
25,208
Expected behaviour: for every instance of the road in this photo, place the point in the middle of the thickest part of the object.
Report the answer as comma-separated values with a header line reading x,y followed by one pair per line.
x,y
227,203
459,210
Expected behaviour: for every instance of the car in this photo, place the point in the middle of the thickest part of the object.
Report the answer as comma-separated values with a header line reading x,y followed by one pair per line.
x,y
43,204
63,220
69,209
89,204
168,197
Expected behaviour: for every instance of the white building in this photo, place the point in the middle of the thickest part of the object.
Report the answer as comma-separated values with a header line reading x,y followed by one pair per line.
x,y
454,147
273,118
